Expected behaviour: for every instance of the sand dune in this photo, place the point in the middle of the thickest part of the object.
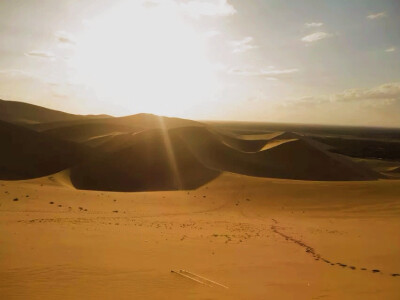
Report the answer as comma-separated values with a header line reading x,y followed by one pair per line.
x,y
146,152
83,132
128,151
263,238
27,154
28,114
291,159
220,205
187,157
151,161
142,120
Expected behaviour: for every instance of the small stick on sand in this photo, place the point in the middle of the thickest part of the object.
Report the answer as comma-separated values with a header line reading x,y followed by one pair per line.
x,y
194,279
203,278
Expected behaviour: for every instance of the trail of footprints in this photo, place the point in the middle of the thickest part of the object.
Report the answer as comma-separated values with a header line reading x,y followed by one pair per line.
x,y
311,251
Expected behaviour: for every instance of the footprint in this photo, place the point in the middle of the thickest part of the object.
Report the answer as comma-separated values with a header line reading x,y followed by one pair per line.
x,y
375,271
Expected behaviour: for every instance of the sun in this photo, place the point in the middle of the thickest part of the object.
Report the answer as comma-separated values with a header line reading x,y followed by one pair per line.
x,y
136,58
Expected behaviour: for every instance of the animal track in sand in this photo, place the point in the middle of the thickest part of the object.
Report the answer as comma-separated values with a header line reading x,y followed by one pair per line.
x,y
311,251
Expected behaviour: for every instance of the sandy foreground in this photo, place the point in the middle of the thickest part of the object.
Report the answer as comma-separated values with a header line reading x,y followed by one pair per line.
x,y
262,238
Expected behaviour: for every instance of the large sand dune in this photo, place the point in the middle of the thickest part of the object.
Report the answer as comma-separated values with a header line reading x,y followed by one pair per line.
x,y
148,152
293,158
187,157
151,161
29,114
142,120
27,154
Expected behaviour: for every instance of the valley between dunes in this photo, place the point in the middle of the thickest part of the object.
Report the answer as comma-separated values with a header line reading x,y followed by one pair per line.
x,y
97,207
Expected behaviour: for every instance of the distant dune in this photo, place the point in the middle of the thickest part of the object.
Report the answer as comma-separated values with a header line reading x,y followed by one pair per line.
x,y
147,152
147,121
293,158
29,114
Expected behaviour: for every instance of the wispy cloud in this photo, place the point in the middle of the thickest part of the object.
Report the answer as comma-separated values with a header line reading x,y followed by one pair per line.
x,y
212,33
269,73
376,16
391,49
65,38
315,37
216,8
15,73
384,94
314,24
243,45
40,54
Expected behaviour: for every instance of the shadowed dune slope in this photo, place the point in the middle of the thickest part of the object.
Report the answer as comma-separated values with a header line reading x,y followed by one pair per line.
x,y
25,114
152,161
28,154
293,159
82,133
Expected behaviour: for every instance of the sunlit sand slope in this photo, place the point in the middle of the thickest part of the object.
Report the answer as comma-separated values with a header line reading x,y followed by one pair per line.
x,y
262,238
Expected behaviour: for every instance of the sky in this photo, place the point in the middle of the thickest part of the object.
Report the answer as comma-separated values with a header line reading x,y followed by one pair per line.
x,y
315,61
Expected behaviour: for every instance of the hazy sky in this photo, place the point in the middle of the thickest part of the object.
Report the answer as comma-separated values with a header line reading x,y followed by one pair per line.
x,y
316,61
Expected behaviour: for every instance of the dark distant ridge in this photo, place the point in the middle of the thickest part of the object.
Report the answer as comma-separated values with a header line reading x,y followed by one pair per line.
x,y
28,154
142,120
28,114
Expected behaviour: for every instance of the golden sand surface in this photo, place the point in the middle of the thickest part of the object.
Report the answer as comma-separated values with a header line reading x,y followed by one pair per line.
x,y
262,238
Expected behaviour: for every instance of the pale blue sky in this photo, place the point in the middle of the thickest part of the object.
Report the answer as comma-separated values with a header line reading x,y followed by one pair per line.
x,y
315,61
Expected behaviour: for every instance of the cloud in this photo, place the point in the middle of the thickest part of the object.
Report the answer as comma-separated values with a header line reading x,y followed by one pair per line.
x,y
40,54
216,8
384,94
65,38
211,33
387,92
243,45
314,24
269,73
391,49
376,16
315,37
15,73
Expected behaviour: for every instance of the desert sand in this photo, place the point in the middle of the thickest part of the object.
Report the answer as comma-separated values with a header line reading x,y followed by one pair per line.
x,y
114,208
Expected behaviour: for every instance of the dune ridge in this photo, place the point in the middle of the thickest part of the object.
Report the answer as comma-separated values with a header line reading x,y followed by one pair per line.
x,y
147,152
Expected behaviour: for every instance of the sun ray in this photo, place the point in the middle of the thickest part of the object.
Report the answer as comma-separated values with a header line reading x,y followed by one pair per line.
x,y
170,153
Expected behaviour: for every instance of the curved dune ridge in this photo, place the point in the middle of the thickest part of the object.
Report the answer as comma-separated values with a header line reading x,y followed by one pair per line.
x,y
394,170
147,152
293,158
187,157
